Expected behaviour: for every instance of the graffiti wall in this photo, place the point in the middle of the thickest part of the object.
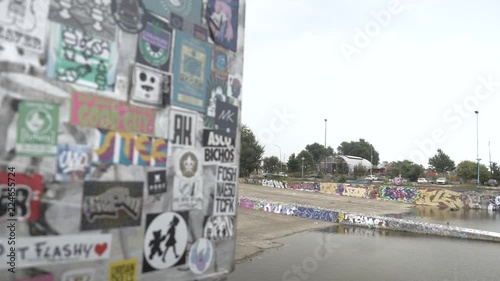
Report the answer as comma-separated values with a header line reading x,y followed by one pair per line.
x,y
442,198
120,148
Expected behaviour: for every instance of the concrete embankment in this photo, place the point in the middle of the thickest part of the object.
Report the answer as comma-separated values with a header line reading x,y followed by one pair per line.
x,y
363,220
443,198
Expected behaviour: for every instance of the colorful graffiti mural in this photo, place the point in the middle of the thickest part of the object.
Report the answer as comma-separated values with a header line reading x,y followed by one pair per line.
x,y
441,198
399,193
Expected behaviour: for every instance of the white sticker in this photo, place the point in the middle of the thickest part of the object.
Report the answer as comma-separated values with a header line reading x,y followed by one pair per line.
x,y
48,250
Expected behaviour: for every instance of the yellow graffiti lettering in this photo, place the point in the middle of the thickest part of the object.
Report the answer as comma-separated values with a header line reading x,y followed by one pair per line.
x,y
141,146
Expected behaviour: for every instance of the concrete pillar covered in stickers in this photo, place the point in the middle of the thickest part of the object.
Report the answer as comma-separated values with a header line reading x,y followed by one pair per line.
x,y
120,142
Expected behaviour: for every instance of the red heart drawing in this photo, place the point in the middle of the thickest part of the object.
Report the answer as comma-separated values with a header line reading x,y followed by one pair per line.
x,y
101,248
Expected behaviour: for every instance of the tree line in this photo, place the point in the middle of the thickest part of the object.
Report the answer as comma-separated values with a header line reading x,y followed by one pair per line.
x,y
313,155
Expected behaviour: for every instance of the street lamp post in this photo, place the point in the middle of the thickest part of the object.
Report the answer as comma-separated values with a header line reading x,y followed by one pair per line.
x,y
326,151
302,167
280,159
477,146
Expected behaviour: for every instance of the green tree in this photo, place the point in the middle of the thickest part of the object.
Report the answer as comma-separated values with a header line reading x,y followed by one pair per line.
x,y
309,164
359,170
407,169
271,164
319,152
294,164
467,171
250,153
441,162
359,148
495,171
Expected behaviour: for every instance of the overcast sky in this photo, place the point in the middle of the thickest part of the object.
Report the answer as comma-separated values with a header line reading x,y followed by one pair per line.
x,y
408,84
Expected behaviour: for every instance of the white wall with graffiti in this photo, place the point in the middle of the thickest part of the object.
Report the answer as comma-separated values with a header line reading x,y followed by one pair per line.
x,y
120,147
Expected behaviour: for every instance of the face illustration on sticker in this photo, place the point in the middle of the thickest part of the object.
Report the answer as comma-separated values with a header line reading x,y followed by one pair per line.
x,y
39,121
216,95
148,86
188,164
235,87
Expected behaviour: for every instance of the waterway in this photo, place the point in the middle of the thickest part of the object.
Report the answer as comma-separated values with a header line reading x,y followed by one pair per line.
x,y
350,253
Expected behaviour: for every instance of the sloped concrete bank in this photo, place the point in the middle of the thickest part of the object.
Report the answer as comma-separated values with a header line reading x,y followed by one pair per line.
x,y
364,220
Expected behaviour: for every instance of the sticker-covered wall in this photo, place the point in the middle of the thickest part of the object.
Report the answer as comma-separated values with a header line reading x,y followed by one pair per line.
x,y
120,148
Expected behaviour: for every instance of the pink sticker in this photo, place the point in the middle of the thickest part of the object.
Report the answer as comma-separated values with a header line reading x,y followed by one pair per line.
x,y
105,113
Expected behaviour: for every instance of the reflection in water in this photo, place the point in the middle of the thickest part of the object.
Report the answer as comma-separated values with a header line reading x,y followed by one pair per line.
x,y
477,219
374,254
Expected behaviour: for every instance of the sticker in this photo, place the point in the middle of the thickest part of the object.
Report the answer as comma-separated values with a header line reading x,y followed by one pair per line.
x,y
219,228
128,15
37,129
177,21
41,277
234,86
154,44
182,128
125,270
150,87
192,68
190,10
216,91
59,249
86,274
107,205
225,191
93,18
222,18
130,149
28,193
157,182
23,23
217,148
187,164
82,59
165,241
200,255
100,112
200,32
73,162
220,64
188,194
226,118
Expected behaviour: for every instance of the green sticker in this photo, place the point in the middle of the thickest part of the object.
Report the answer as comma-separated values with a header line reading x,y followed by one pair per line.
x,y
37,128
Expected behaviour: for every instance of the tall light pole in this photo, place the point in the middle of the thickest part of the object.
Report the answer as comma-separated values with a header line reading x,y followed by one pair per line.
x,y
279,158
371,161
302,167
326,154
477,146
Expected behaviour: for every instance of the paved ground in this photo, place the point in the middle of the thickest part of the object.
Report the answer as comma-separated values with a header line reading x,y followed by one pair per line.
x,y
256,230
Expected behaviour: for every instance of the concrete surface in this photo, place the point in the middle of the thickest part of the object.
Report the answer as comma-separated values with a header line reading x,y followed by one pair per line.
x,y
348,204
255,231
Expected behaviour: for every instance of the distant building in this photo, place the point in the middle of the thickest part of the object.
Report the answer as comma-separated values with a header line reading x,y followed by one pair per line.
x,y
353,161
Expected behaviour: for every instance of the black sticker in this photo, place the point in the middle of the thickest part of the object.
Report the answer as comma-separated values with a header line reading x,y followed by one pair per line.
x,y
226,118
128,15
157,182
154,44
107,205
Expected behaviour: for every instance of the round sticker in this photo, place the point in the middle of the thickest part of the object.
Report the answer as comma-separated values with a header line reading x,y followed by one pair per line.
x,y
128,15
39,121
187,164
165,240
200,255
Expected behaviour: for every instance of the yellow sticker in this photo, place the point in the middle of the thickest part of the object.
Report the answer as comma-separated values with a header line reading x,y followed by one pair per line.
x,y
125,270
